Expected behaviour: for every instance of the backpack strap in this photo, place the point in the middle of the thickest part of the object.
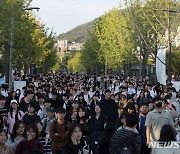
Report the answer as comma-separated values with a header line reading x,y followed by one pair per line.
x,y
12,138
45,124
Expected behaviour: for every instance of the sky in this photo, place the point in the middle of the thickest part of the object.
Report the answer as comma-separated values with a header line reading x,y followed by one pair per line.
x,y
64,15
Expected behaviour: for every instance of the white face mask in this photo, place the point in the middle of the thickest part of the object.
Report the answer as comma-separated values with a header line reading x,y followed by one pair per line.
x,y
168,100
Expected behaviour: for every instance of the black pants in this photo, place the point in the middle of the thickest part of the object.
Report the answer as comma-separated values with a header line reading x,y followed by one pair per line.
x,y
145,149
56,151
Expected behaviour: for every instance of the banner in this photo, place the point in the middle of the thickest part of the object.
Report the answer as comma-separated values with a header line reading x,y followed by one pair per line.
x,y
33,69
176,85
2,80
160,65
19,85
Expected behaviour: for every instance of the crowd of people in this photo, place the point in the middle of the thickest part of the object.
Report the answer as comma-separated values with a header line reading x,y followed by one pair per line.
x,y
66,113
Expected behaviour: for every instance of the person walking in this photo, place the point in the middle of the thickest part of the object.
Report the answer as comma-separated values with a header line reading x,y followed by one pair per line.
x,y
30,142
108,107
126,140
156,119
59,132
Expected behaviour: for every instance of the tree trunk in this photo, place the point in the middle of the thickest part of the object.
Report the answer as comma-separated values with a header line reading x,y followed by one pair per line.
x,y
6,61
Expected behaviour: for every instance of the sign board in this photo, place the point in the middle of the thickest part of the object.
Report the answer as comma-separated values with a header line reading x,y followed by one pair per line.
x,y
2,81
160,65
19,85
176,85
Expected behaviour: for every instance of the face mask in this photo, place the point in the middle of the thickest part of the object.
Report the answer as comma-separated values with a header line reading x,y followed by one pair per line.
x,y
144,113
168,100
159,104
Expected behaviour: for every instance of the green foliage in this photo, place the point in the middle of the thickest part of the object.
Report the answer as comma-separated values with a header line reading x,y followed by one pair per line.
x,y
89,55
33,43
176,63
116,37
141,24
74,64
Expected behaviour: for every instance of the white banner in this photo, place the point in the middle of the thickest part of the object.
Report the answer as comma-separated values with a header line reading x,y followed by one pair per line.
x,y
2,80
176,85
19,85
160,67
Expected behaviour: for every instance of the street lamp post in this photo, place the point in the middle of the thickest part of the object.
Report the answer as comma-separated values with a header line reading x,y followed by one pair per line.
x,y
140,61
11,50
12,43
28,46
169,42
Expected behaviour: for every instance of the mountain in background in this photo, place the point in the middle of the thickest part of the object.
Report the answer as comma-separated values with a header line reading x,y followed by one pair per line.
x,y
80,33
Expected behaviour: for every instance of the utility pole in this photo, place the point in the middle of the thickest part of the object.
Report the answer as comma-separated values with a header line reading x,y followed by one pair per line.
x,y
169,42
169,45
28,45
12,44
11,50
140,61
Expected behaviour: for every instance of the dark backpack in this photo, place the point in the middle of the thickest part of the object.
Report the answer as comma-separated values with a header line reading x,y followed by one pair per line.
x,y
127,146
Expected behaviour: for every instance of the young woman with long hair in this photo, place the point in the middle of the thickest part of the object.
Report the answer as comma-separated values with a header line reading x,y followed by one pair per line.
x,y
4,149
14,114
167,142
75,144
81,100
30,142
31,116
17,134
97,124
83,121
44,138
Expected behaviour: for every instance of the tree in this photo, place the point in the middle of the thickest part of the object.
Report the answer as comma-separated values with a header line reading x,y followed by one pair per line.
x,y
89,55
74,64
150,18
33,43
176,63
117,39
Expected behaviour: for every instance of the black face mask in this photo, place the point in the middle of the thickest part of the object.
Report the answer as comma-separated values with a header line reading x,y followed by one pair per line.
x,y
159,104
144,113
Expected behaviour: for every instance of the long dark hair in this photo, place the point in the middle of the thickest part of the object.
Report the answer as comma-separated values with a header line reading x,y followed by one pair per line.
x,y
34,128
4,131
81,95
1,122
17,112
167,134
19,92
15,127
71,129
42,133
84,118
